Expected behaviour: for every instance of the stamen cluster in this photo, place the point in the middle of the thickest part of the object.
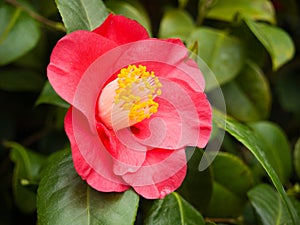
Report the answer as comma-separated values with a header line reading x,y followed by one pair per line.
x,y
137,90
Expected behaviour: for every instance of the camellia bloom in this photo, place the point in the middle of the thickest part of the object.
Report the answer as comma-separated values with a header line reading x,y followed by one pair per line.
x,y
136,103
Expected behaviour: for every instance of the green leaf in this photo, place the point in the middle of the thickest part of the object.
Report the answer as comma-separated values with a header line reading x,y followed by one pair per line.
x,y
268,205
227,10
223,53
297,157
250,90
275,147
173,209
276,41
176,23
82,14
217,207
247,137
210,78
26,176
19,33
197,185
296,202
232,180
228,167
64,198
131,9
49,96
20,80
37,58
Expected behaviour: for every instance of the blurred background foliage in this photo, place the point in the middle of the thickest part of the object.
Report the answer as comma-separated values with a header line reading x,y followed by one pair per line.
x,y
252,47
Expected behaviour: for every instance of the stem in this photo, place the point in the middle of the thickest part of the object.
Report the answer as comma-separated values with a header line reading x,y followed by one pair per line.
x,y
9,26
222,220
203,7
56,25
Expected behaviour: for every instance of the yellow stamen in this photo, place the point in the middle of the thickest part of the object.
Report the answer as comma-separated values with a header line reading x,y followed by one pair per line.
x,y
129,98
137,90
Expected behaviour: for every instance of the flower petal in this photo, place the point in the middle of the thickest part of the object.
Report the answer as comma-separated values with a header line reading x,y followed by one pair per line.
x,y
205,118
128,155
162,130
161,189
106,181
70,58
195,77
184,71
121,30
161,174
183,118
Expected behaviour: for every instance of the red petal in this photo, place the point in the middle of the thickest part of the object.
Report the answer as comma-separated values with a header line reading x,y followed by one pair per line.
x,y
163,129
70,58
186,72
160,190
161,174
108,182
176,41
128,155
205,118
183,117
121,30
188,66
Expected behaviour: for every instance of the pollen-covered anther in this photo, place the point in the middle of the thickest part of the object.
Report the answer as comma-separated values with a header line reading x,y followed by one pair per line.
x,y
130,98
143,110
136,92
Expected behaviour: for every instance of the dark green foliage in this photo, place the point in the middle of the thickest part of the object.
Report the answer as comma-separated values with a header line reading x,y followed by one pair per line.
x,y
251,47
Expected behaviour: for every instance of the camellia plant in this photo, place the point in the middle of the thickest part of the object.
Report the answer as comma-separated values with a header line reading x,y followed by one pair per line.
x,y
149,112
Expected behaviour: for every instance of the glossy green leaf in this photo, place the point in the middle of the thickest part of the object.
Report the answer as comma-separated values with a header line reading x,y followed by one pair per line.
x,y
248,137
211,81
223,53
82,14
268,205
217,208
20,80
131,9
37,58
249,215
232,180
297,157
275,146
176,23
255,51
227,10
64,198
49,96
197,185
296,202
276,41
26,175
19,33
228,167
173,209
251,91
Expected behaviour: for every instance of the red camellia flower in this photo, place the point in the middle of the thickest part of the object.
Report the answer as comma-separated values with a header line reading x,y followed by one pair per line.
x,y
136,103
